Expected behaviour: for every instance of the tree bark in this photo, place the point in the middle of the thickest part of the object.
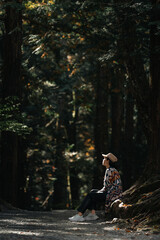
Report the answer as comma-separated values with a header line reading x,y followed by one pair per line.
x,y
153,164
128,161
146,94
12,50
72,139
11,84
101,124
60,185
116,110
142,199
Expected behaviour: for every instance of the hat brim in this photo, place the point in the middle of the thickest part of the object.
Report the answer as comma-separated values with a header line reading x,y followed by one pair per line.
x,y
112,157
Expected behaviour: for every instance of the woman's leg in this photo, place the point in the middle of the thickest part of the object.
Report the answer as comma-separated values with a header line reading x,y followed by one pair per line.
x,y
92,206
86,204
91,200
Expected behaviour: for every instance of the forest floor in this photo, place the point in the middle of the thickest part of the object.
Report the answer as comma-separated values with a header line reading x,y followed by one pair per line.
x,y
54,225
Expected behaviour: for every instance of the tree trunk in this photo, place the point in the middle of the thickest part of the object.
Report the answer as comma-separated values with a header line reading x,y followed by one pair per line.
x,y
128,160
153,164
9,167
60,185
11,83
146,96
12,50
142,199
101,125
116,109
72,139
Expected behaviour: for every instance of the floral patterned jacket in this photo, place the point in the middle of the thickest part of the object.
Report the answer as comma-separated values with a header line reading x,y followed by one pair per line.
x,y
112,186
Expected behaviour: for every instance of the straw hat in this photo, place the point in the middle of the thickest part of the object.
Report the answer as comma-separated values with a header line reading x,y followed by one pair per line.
x,y
112,157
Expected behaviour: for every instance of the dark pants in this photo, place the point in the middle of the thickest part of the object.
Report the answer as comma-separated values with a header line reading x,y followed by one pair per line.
x,y
91,200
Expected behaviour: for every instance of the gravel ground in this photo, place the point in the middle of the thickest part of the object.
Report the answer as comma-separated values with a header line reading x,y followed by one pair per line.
x,y
27,225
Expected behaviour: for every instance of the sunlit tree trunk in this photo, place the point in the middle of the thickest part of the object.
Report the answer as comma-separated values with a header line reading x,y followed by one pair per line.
x,y
72,140
11,178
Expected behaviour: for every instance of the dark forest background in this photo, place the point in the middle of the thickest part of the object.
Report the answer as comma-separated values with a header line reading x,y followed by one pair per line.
x,y
78,79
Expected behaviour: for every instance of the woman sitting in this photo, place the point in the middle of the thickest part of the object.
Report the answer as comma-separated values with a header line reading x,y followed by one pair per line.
x,y
112,190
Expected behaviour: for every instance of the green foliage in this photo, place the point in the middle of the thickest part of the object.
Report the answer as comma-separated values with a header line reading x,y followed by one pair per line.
x,y
65,44
11,118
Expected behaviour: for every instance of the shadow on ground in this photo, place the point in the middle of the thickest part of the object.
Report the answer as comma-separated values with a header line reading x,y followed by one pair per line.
x,y
22,225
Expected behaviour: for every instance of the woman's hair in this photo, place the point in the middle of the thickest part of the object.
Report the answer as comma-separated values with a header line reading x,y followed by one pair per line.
x,y
112,164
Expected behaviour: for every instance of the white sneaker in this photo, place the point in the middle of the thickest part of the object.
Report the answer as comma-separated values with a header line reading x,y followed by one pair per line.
x,y
91,217
77,218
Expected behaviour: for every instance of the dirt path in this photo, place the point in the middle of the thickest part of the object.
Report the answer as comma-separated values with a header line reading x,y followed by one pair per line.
x,y
54,225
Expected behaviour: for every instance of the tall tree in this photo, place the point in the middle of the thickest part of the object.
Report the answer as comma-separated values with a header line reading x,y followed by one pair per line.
x,y
11,84
60,185
116,110
153,164
146,93
144,193
128,142
101,122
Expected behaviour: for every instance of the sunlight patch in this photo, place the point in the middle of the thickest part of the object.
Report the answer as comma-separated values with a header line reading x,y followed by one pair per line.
x,y
19,232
